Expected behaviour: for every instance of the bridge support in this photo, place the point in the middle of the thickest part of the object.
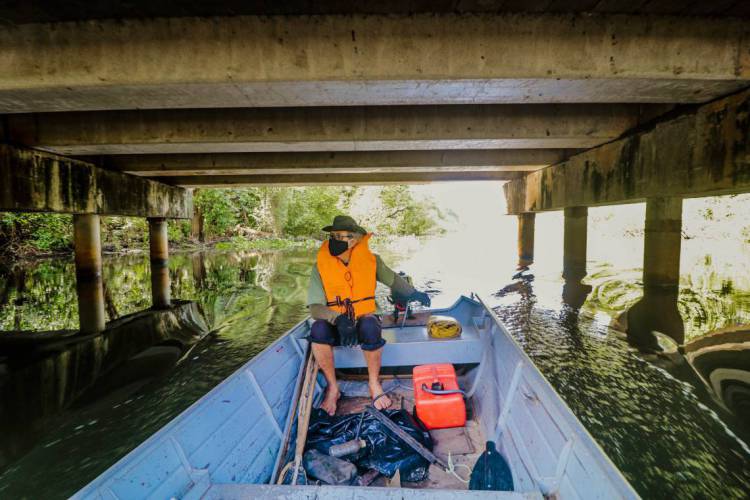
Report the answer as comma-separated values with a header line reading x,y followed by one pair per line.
x,y
701,152
88,259
657,310
574,243
159,249
526,239
37,181
574,256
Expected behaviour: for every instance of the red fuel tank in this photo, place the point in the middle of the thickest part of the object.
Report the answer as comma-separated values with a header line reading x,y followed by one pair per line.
x,y
438,411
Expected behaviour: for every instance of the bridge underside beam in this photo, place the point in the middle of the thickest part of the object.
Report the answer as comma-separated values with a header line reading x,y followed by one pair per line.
x,y
302,179
334,60
701,153
37,181
344,162
370,128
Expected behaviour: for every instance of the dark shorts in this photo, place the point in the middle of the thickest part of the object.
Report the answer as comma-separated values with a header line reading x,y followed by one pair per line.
x,y
369,332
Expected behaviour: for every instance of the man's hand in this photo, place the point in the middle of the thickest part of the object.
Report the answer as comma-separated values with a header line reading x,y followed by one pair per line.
x,y
346,329
421,297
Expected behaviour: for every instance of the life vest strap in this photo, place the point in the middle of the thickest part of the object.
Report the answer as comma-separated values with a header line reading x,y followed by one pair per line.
x,y
340,302
348,304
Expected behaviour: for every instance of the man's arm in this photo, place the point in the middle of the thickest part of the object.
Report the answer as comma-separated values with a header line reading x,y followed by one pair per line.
x,y
316,298
400,288
391,279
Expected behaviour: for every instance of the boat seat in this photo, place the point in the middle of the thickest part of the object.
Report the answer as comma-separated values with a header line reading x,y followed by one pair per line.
x,y
411,345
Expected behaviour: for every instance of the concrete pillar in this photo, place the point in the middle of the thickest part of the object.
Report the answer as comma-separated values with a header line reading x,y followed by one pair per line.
x,y
159,248
574,243
657,310
88,258
661,252
526,239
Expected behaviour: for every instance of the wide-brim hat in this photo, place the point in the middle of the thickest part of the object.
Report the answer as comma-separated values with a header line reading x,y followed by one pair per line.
x,y
345,223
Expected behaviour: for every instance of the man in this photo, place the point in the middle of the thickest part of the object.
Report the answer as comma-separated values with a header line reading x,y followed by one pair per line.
x,y
341,299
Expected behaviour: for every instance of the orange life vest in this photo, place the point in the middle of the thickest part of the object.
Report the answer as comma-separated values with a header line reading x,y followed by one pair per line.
x,y
355,282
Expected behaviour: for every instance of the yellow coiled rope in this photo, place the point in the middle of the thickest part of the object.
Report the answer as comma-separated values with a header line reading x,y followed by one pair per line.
x,y
443,327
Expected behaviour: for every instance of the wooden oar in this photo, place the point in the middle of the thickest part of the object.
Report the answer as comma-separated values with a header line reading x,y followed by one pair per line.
x,y
303,417
278,474
406,438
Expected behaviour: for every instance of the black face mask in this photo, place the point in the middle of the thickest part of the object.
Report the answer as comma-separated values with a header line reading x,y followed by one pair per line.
x,y
337,247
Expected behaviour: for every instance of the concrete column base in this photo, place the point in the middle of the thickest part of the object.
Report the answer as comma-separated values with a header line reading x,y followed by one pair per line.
x,y
526,239
575,293
657,310
159,249
88,259
574,243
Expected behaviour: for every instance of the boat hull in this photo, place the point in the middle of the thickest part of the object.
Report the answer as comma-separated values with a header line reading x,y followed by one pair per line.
x,y
229,443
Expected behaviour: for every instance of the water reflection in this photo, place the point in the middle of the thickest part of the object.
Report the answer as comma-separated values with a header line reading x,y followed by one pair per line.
x,y
47,373
39,296
575,293
91,399
722,361
656,313
658,426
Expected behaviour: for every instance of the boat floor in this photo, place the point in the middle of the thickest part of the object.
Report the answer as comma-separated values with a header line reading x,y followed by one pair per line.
x,y
464,444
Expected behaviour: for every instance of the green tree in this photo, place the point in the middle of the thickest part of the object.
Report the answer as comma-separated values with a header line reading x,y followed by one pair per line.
x,y
218,211
402,214
36,231
311,208
224,210
118,233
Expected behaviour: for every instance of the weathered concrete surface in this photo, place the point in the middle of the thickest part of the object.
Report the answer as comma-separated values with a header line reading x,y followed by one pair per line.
x,y
526,239
89,285
662,242
37,181
657,310
335,179
370,128
575,238
703,152
510,160
159,255
357,60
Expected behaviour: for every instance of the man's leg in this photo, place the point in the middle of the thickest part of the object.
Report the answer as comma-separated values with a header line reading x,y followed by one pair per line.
x,y
370,331
322,338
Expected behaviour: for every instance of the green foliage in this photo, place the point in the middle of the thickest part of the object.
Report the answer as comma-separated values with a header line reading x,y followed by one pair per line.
x,y
44,232
405,215
226,210
219,213
264,244
309,209
178,231
243,213
118,233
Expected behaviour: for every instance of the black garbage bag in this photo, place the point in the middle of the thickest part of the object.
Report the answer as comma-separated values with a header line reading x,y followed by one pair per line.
x,y
384,451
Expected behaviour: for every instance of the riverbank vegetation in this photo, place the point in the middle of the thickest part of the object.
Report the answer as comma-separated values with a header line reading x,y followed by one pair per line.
x,y
262,218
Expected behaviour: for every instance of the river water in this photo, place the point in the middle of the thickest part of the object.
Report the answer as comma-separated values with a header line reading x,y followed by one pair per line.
x,y
676,424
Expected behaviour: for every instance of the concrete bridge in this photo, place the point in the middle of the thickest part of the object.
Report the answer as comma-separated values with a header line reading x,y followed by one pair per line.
x,y
113,109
